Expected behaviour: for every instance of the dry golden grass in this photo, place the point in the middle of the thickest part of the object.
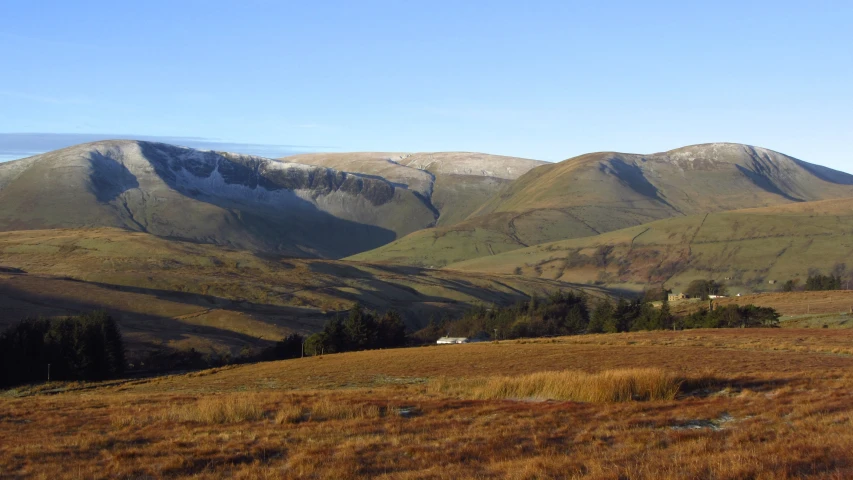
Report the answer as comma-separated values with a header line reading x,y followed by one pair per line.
x,y
289,414
751,404
837,342
602,387
229,408
329,409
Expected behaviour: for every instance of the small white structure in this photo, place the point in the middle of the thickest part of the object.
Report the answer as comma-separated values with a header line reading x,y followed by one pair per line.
x,y
452,340
716,296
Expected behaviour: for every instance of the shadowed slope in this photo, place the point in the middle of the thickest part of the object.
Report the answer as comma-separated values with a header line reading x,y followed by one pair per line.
x,y
454,183
186,295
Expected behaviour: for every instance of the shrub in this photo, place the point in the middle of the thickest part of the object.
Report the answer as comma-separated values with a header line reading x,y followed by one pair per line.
x,y
791,285
703,288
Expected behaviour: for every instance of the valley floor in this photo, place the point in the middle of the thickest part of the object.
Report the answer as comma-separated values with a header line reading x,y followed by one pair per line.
x,y
763,403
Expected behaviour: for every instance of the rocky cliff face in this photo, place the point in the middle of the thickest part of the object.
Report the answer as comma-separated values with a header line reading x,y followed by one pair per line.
x,y
237,200
454,184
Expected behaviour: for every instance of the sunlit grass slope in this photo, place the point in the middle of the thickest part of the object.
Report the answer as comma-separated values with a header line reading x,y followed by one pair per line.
x,y
747,249
607,191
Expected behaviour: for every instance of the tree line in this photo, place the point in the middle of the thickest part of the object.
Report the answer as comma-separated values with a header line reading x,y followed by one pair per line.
x,y
573,314
558,314
815,283
90,346
362,329
626,316
839,277
85,347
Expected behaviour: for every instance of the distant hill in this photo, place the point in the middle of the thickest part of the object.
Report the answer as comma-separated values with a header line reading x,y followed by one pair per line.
x,y
750,250
454,183
602,192
180,295
213,197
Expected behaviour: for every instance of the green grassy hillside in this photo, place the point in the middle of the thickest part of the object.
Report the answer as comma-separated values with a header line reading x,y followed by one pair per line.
x,y
603,192
747,249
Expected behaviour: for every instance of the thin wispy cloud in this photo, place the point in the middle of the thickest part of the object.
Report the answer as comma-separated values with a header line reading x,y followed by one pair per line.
x,y
19,145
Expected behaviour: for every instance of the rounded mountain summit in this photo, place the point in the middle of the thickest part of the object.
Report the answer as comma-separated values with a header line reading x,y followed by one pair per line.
x,y
601,192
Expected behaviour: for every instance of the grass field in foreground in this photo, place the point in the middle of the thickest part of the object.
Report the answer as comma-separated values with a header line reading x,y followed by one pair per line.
x,y
746,404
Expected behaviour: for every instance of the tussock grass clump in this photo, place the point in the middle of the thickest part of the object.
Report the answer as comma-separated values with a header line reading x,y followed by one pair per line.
x,y
289,414
622,385
218,409
125,421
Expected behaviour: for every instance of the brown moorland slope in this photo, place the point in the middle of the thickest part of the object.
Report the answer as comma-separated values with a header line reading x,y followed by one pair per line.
x,y
751,404
185,295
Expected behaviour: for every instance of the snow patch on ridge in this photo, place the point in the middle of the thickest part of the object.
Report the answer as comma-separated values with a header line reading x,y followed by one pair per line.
x,y
215,185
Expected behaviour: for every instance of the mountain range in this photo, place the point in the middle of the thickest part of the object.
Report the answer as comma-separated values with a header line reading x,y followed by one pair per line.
x,y
286,207
601,192
241,247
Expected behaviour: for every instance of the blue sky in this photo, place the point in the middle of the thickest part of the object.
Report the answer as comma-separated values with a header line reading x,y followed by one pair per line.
x,y
546,80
